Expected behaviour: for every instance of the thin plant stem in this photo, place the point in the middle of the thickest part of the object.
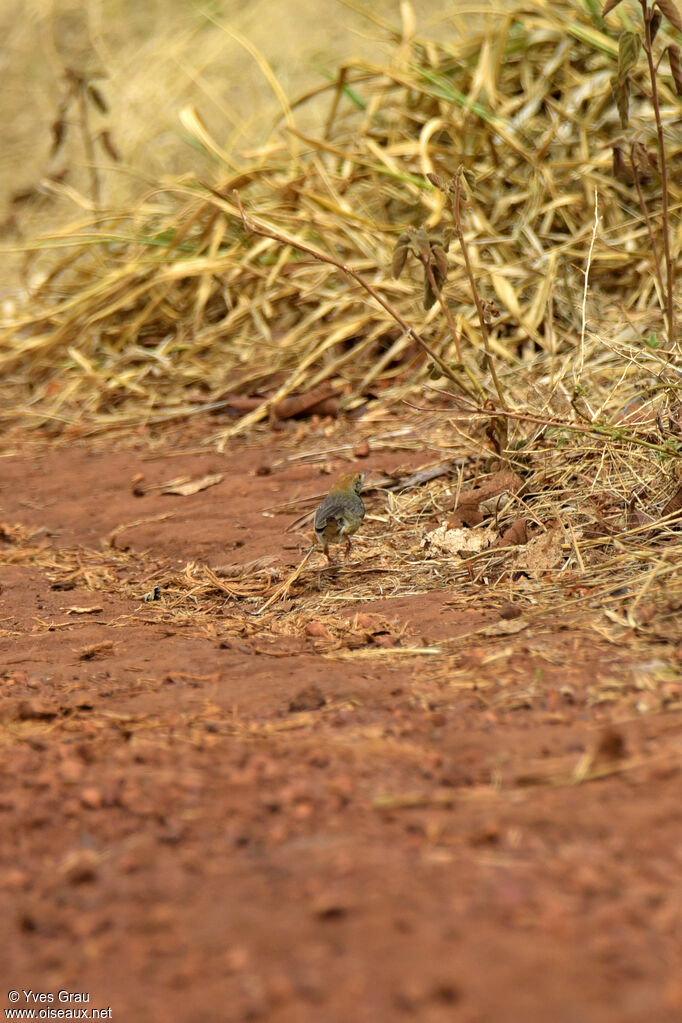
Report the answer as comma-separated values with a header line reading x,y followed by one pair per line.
x,y
457,218
669,294
650,226
581,360
80,87
428,270
453,329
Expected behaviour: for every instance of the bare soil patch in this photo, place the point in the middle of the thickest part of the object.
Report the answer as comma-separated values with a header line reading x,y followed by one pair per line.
x,y
345,809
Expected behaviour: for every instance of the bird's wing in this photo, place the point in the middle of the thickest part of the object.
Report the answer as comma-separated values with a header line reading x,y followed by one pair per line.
x,y
329,509
322,521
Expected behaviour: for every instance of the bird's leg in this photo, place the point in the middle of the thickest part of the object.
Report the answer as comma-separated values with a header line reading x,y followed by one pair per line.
x,y
329,557
348,546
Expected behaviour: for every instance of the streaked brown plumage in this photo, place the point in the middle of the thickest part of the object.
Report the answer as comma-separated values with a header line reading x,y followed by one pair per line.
x,y
341,512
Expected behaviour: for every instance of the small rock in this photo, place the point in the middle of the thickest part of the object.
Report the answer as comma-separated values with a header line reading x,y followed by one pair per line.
x,y
384,639
317,630
508,611
611,745
310,698
136,485
330,906
80,867
92,798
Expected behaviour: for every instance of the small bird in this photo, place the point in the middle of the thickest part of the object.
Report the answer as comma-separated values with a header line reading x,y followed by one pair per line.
x,y
341,513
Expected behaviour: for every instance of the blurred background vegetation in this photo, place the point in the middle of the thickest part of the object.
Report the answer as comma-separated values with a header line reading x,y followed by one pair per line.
x,y
147,294
159,57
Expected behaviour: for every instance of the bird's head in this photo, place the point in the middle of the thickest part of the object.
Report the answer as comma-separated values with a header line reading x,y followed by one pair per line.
x,y
349,483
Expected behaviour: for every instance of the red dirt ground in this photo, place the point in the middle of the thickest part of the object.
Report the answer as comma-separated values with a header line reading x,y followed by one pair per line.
x,y
203,823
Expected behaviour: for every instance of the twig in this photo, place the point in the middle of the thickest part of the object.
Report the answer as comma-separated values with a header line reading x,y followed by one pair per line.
x,y
456,186
650,226
138,522
454,333
338,93
581,359
282,590
425,259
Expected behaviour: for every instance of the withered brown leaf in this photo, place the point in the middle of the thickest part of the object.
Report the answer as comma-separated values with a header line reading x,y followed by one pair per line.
x,y
675,67
59,129
97,98
655,23
621,169
674,504
669,8
429,293
436,181
439,263
645,160
621,92
107,142
400,254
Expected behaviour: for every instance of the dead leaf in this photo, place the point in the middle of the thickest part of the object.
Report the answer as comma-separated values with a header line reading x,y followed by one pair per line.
x,y
516,535
675,67
82,610
484,498
185,487
467,515
671,12
322,400
674,504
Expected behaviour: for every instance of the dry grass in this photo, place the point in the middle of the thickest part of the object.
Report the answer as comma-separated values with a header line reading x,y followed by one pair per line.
x,y
172,309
